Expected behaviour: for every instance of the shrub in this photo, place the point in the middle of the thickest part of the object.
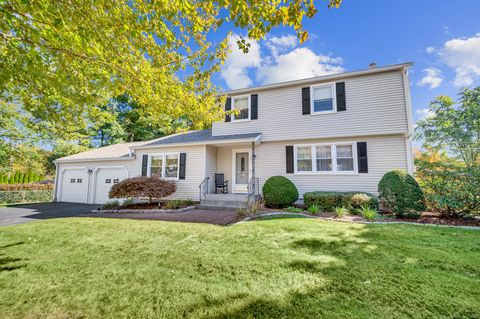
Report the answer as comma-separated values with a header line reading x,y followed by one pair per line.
x,y
327,201
313,209
127,202
143,187
21,187
113,204
293,209
401,193
279,192
369,213
340,212
450,188
178,203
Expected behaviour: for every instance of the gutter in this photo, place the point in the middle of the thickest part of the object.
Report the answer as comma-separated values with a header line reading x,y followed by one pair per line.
x,y
76,160
210,142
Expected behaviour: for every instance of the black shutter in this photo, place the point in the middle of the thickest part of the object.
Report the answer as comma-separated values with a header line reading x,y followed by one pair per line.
x,y
254,106
305,101
144,165
289,151
341,102
362,157
183,162
228,107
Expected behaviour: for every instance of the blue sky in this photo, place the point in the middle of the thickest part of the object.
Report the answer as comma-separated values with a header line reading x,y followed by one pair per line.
x,y
441,37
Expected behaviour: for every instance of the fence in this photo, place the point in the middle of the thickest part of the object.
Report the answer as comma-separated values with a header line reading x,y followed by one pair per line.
x,y
25,196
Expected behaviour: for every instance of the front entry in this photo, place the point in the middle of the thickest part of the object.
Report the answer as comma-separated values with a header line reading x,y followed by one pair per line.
x,y
241,170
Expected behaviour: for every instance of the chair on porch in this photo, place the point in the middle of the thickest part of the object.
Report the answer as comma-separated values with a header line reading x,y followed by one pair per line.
x,y
221,184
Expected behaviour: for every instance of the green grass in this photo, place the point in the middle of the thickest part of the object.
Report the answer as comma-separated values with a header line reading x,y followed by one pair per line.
x,y
280,268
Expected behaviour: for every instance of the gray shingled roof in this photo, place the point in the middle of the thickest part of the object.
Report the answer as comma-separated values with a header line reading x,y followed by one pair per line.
x,y
198,136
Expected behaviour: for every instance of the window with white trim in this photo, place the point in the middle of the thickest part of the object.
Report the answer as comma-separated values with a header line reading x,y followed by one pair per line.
x,y
345,161
241,108
304,159
326,158
323,99
164,165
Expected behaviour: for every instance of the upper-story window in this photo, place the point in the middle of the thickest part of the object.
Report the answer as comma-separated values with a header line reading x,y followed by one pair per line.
x,y
323,98
241,108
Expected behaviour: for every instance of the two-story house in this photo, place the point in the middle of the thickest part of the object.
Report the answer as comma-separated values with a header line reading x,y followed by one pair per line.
x,y
339,132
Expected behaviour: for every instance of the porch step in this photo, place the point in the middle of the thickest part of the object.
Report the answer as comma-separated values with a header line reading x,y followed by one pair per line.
x,y
227,201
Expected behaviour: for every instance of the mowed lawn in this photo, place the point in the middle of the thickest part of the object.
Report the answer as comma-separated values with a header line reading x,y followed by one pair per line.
x,y
278,268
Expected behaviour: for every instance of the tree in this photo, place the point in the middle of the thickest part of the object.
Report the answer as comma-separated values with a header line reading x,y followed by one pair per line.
x,y
61,59
454,127
143,187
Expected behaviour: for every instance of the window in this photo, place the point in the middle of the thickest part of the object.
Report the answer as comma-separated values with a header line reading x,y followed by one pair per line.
x,y
79,180
116,180
323,98
108,181
156,166
304,159
164,165
241,108
345,158
324,158
72,180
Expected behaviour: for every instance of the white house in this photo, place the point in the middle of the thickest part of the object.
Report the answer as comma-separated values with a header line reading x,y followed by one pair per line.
x,y
337,132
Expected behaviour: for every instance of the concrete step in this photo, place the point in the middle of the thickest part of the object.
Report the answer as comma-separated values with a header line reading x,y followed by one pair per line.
x,y
225,201
227,197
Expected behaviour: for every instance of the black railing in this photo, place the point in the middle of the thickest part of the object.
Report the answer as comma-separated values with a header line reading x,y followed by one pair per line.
x,y
253,190
203,188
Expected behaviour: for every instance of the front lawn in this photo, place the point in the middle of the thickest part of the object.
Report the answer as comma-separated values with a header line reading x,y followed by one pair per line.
x,y
278,268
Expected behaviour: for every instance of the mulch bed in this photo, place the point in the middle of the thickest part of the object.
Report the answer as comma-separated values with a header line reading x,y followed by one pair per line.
x,y
216,217
436,218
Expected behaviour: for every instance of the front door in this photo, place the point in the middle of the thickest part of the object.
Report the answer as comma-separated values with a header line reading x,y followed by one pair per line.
x,y
241,170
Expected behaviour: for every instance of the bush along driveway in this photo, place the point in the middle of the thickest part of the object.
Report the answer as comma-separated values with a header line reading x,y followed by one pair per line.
x,y
278,268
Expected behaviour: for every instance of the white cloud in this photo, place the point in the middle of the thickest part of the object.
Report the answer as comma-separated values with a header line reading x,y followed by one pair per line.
x,y
281,44
424,113
236,66
463,55
298,64
280,60
429,50
432,78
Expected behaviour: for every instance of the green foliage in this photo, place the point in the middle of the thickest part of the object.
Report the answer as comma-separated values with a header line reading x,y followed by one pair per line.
x,y
279,192
327,201
368,213
293,209
25,196
451,187
112,204
340,212
313,209
178,203
401,193
454,126
127,202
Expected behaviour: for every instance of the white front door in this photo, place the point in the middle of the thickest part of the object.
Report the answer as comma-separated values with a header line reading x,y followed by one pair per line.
x,y
241,164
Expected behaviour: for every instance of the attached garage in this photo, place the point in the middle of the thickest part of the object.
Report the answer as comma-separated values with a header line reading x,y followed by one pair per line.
x,y
73,185
105,178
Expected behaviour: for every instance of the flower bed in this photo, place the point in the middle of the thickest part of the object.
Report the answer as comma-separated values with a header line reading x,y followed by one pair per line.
x,y
170,206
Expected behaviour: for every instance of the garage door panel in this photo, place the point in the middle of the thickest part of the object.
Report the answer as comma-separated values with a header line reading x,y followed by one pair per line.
x,y
105,179
74,186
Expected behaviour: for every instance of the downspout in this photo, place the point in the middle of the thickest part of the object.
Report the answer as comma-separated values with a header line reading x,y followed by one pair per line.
x,y
253,169
55,185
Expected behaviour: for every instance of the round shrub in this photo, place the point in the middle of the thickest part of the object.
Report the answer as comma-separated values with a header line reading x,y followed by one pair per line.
x,y
279,192
401,193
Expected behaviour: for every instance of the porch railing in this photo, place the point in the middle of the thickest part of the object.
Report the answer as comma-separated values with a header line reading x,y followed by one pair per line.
x,y
253,190
203,188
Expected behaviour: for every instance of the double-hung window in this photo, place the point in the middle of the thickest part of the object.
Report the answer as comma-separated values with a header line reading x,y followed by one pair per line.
x,y
326,158
164,165
241,108
323,99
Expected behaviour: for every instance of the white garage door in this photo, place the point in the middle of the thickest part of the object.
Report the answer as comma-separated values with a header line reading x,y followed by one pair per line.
x,y
105,178
74,186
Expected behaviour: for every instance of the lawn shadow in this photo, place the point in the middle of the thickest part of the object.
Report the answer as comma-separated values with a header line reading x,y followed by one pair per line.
x,y
9,263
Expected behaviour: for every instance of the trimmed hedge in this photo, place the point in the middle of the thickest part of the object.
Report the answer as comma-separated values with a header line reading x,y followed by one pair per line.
x,y
26,196
24,187
279,192
20,178
328,201
401,193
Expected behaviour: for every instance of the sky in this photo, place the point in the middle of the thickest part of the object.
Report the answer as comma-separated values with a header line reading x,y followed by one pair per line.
x,y
441,38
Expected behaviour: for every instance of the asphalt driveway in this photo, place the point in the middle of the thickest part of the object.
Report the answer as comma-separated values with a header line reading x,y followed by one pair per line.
x,y
24,213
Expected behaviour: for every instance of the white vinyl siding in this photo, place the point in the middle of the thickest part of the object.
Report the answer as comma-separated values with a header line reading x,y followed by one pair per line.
x,y
384,153
210,165
375,106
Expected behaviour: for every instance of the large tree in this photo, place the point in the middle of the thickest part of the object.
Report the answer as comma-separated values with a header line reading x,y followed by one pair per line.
x,y
454,126
62,58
